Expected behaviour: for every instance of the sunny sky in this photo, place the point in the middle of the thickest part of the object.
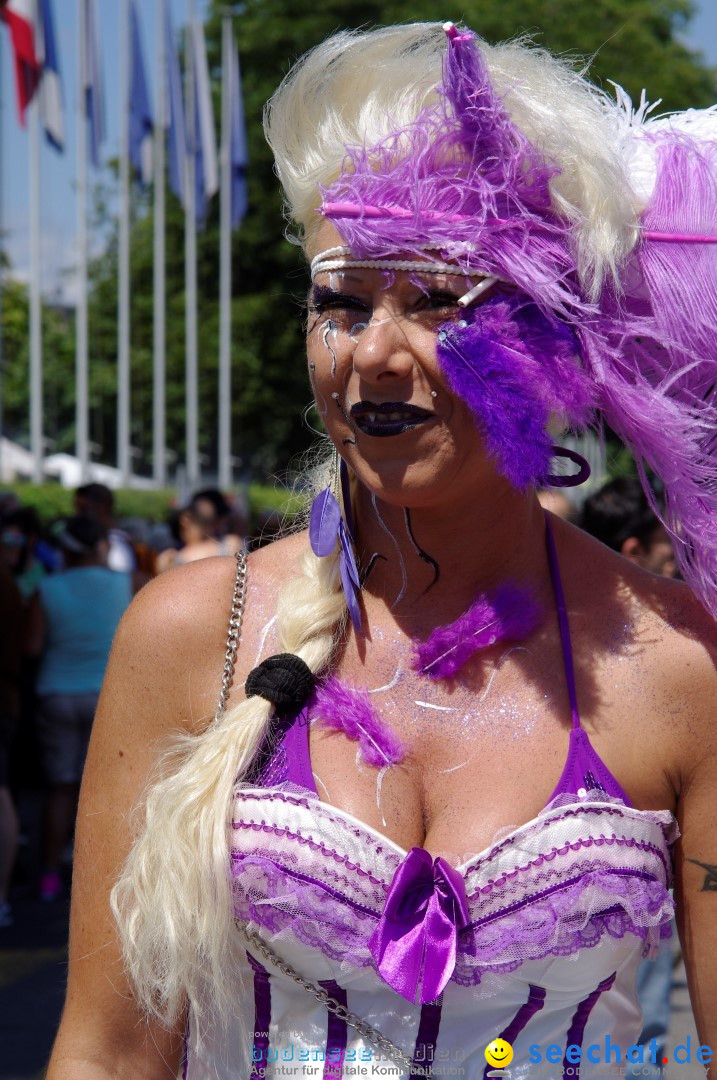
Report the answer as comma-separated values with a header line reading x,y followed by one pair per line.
x,y
57,192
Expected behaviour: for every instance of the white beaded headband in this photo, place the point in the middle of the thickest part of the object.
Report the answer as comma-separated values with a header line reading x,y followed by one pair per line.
x,y
339,258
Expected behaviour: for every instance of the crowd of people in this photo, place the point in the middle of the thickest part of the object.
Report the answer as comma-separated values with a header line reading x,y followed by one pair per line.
x,y
63,589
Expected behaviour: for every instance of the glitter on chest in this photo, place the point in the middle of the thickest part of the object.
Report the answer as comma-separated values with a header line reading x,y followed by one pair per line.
x,y
416,706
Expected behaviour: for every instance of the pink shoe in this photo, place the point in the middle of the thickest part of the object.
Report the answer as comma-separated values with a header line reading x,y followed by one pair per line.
x,y
50,885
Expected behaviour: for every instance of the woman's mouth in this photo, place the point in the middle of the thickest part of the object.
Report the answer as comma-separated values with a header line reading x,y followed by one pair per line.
x,y
388,417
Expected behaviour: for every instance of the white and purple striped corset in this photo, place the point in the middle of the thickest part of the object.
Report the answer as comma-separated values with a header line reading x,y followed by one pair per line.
x,y
558,914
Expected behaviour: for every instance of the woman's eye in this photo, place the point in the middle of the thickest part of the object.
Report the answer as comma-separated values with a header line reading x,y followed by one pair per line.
x,y
335,302
439,302
443,299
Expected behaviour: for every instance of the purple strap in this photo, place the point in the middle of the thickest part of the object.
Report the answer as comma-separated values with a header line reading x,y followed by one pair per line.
x,y
576,1031
583,767
262,1017
336,1034
535,1002
562,622
185,1051
425,1048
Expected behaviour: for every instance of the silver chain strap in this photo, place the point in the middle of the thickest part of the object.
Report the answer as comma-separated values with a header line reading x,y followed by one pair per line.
x,y
234,632
335,1007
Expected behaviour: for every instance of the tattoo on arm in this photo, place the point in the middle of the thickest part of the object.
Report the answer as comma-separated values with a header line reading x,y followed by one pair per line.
x,y
710,882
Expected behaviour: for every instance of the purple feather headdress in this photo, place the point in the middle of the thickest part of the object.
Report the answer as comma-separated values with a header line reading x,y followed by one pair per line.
x,y
462,169
463,181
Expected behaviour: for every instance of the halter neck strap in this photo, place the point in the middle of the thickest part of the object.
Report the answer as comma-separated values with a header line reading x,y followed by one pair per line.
x,y
562,621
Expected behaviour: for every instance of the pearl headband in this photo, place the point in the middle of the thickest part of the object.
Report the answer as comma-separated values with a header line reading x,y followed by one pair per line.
x,y
339,258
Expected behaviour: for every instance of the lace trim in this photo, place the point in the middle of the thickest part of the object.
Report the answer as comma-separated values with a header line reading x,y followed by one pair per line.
x,y
559,921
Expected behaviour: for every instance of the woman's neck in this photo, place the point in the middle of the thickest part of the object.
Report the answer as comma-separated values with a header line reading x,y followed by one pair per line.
x,y
426,565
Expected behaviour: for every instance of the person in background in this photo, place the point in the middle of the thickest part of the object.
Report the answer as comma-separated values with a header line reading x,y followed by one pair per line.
x,y
96,500
201,531
72,621
11,622
557,502
19,536
620,515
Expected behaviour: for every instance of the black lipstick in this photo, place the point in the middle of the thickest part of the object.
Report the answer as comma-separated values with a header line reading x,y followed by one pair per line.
x,y
387,417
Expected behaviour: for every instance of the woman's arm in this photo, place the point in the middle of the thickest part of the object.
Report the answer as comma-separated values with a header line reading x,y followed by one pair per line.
x,y
696,853
164,674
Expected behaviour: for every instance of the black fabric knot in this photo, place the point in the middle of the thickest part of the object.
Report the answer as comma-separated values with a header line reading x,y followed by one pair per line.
x,y
284,679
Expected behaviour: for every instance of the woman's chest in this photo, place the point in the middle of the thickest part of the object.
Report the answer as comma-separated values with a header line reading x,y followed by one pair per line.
x,y
486,754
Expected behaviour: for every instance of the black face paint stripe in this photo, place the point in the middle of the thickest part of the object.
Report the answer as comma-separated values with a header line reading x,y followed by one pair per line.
x,y
421,553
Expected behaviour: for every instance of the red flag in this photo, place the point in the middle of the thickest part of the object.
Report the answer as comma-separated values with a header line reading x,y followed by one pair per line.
x,y
18,14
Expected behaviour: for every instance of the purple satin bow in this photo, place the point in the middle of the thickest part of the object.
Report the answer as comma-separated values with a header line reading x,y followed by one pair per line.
x,y
415,940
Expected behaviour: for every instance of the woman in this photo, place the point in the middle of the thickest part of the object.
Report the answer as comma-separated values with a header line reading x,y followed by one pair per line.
x,y
71,623
347,907
200,530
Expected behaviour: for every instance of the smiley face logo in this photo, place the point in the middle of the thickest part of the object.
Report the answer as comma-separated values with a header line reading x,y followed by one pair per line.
x,y
499,1053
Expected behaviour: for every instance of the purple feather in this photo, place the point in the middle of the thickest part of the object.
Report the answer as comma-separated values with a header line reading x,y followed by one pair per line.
x,y
324,523
513,367
465,182
346,709
326,527
509,613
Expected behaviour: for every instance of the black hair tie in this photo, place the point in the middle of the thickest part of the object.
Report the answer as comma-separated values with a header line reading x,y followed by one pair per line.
x,y
284,679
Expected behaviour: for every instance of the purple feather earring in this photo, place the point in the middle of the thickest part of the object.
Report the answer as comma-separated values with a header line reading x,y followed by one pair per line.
x,y
327,528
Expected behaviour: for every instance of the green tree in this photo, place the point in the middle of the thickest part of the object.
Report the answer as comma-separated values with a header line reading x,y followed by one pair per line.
x,y
58,363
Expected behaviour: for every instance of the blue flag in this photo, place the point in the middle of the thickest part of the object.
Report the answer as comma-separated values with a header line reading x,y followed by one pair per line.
x,y
141,124
177,131
238,153
205,147
50,86
94,107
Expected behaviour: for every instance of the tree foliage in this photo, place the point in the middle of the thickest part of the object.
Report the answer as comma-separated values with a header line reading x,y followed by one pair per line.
x,y
633,42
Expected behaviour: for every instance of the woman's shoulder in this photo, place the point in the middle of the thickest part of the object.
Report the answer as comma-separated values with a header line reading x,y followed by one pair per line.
x,y
176,628
656,623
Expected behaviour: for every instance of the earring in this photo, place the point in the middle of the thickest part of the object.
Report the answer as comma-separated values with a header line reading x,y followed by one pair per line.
x,y
327,528
574,479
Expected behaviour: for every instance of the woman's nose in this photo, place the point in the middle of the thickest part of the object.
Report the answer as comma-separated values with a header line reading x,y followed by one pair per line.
x,y
383,352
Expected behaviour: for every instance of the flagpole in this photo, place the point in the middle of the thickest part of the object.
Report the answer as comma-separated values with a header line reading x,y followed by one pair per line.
x,y
190,266
159,343
81,342
123,344
225,264
36,403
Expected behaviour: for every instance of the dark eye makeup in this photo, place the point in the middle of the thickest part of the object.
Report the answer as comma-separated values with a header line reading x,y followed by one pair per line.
x,y
322,299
